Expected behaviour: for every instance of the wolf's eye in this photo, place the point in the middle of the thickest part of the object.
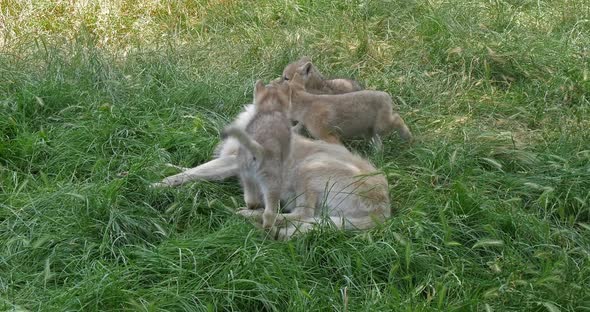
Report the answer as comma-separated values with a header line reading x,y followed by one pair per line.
x,y
286,78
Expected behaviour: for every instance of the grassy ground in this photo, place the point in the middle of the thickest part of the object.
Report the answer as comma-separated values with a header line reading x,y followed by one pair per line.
x,y
491,202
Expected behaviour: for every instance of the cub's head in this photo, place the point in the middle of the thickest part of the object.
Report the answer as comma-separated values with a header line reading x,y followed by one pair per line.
x,y
304,67
272,97
297,83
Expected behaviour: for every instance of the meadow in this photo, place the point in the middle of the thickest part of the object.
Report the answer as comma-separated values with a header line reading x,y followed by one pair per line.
x,y
491,201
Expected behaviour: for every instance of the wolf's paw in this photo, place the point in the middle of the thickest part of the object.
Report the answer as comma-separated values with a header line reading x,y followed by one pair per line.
x,y
251,213
268,219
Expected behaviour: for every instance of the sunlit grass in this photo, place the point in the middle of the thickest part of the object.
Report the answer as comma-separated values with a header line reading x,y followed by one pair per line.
x,y
491,200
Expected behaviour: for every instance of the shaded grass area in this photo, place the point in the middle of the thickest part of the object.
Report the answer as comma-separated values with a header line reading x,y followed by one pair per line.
x,y
491,201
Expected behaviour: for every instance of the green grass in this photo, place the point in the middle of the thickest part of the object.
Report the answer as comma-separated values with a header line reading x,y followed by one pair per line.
x,y
491,201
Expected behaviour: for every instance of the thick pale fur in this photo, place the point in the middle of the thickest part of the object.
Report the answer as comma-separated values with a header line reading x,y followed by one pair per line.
x,y
340,116
327,182
314,81
264,148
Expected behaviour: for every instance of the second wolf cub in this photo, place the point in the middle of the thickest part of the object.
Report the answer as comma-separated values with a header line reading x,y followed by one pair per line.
x,y
355,114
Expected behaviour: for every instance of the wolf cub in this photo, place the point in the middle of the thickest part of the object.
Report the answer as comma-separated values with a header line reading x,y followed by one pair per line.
x,y
337,116
314,81
264,148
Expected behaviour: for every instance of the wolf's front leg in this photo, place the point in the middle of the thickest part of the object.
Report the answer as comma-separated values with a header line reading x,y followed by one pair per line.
x,y
214,170
305,204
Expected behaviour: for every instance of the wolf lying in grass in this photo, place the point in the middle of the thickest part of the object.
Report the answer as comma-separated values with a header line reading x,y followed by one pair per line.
x,y
324,181
332,117
224,162
265,147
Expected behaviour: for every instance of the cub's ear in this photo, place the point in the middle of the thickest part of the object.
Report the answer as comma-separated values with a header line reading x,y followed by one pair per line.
x,y
305,59
305,69
258,88
284,99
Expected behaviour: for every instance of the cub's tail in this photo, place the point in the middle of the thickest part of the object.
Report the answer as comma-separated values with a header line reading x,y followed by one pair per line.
x,y
254,147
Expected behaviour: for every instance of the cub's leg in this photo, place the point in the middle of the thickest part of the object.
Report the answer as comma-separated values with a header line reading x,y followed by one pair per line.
x,y
251,191
377,142
271,184
272,198
323,133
